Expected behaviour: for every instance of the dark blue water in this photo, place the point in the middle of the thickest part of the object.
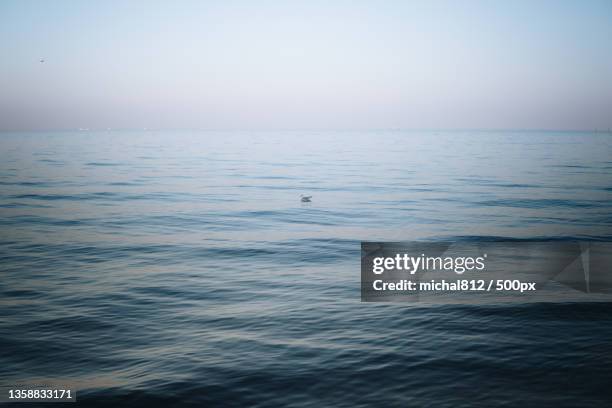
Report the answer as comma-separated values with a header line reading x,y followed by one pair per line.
x,y
177,268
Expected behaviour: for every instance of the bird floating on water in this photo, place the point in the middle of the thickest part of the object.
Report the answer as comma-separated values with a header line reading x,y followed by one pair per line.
x,y
42,60
305,199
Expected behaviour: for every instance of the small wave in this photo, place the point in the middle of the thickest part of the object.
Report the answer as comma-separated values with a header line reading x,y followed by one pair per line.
x,y
102,164
542,203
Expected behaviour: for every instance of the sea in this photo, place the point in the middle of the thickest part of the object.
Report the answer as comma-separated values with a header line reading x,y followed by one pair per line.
x,y
180,268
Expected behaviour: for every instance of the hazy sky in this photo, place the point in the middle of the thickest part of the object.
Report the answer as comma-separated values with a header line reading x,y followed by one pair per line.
x,y
306,65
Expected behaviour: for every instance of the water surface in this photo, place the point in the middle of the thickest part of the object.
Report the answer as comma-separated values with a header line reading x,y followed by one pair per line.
x,y
181,267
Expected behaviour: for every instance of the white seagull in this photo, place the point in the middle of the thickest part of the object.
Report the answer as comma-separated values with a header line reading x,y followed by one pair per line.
x,y
305,199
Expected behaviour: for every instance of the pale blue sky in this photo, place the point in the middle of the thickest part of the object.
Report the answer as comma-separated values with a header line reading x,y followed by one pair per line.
x,y
306,65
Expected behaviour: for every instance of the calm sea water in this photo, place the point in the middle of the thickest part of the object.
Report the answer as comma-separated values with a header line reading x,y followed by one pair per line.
x,y
170,268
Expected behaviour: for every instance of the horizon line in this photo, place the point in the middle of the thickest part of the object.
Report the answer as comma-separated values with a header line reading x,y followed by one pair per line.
x,y
387,129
